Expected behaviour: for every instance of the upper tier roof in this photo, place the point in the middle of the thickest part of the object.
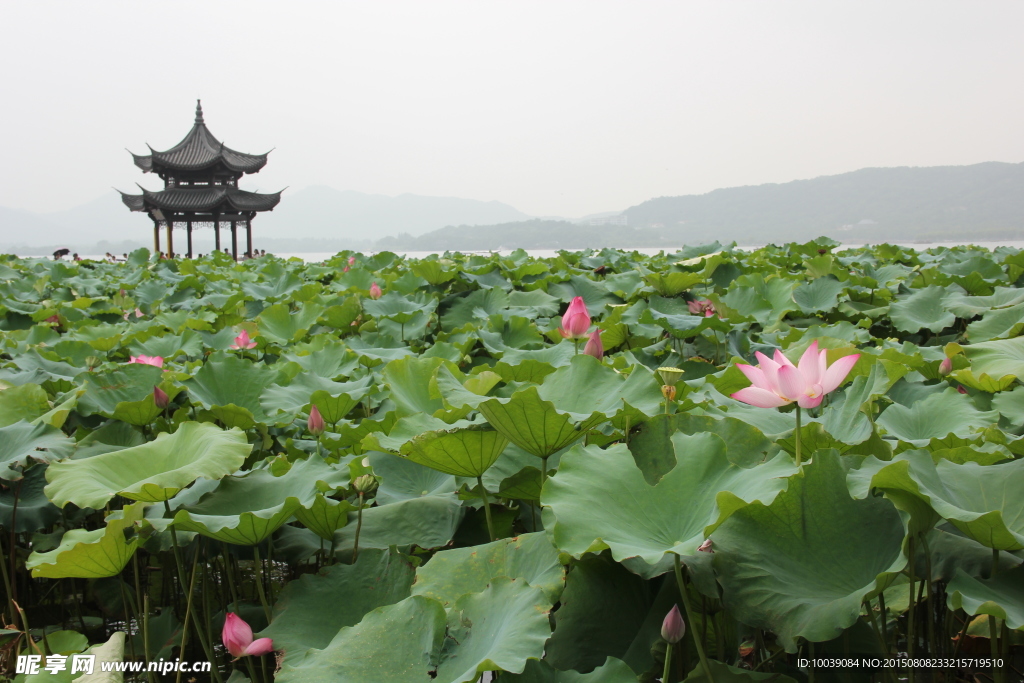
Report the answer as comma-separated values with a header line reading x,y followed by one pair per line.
x,y
200,150
201,199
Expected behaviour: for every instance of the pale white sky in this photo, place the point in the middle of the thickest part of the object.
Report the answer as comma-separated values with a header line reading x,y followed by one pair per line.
x,y
555,107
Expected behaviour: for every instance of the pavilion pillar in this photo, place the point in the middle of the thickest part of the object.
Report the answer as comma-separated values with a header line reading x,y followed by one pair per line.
x,y
156,237
248,238
170,238
188,233
234,240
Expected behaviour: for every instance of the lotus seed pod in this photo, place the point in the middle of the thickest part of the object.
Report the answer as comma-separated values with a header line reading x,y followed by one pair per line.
x,y
673,628
670,376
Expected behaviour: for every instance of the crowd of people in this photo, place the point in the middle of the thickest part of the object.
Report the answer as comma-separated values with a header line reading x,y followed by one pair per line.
x,y
114,258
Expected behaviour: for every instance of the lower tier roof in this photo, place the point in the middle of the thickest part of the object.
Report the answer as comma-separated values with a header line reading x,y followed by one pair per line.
x,y
201,199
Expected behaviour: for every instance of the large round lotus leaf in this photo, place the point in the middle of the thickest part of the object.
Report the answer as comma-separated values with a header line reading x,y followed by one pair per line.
x,y
312,609
539,671
397,643
498,629
588,386
723,673
467,452
338,397
280,324
152,472
535,425
22,442
396,307
635,519
1001,597
409,381
104,390
406,429
802,565
26,402
245,509
34,509
997,358
230,380
168,346
325,357
982,501
921,309
450,574
429,522
323,516
90,554
402,479
936,416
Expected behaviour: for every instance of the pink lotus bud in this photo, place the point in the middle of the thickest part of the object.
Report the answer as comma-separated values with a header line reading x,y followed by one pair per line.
x,y
375,292
351,260
961,389
594,346
945,367
155,361
576,320
315,424
673,628
706,547
345,269
701,307
242,341
122,292
160,398
237,638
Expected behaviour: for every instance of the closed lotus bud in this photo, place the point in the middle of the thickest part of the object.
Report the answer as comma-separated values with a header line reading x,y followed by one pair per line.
x,y
315,424
365,484
673,628
160,398
961,389
706,547
946,366
670,376
375,292
594,346
668,391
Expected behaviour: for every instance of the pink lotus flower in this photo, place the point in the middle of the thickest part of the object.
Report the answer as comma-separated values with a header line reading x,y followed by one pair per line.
x,y
351,260
237,638
375,292
345,269
242,341
701,307
594,346
707,546
673,628
576,320
160,398
946,366
155,361
778,382
315,424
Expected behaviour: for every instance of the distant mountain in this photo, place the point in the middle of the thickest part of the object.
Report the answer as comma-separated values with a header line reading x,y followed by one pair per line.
x,y
343,219
873,204
531,234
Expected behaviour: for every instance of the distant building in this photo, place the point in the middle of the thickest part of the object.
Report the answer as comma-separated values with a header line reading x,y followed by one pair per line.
x,y
605,219
200,179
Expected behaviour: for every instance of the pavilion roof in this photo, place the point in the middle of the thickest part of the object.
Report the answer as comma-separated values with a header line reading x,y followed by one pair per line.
x,y
200,150
203,199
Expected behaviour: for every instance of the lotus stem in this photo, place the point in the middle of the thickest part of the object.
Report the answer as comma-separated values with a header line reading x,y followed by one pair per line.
x,y
229,573
668,662
252,670
543,474
993,626
689,617
188,613
911,611
487,508
145,615
359,529
932,644
259,580
7,584
797,434
145,636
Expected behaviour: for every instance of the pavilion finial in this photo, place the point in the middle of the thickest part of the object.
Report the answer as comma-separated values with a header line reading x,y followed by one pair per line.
x,y
199,112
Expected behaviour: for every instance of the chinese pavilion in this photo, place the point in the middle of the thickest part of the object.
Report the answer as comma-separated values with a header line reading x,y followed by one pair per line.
x,y
201,190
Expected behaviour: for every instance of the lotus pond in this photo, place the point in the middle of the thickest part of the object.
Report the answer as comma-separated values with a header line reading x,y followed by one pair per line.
x,y
710,465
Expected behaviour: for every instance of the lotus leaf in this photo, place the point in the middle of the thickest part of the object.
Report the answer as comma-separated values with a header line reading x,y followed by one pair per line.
x,y
466,452
91,554
21,443
26,402
1001,596
232,381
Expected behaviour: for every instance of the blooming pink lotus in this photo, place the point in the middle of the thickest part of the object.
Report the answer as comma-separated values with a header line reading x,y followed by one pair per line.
x,y
375,292
242,341
576,321
155,361
594,346
237,638
778,382
701,307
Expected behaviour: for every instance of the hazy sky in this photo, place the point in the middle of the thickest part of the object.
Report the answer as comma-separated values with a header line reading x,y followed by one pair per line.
x,y
555,107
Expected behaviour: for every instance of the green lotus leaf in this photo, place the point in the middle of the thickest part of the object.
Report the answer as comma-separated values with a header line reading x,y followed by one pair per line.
x,y
723,673
673,283
26,402
466,452
138,413
997,324
536,425
406,429
90,554
152,472
313,608
936,416
639,520
280,324
403,479
1001,596
234,417
820,294
801,565
846,416
996,358
450,574
673,315
523,485
429,522
245,509
334,399
104,390
396,643
498,629
539,671
169,345
229,380
588,387
21,443
325,357
411,390
765,300
967,307
979,500
921,310
323,516
34,509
